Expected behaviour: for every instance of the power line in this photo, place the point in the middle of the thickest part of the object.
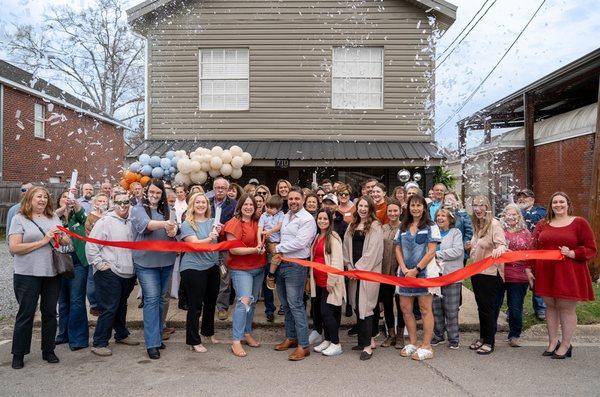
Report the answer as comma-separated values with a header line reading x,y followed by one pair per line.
x,y
463,29
465,36
493,69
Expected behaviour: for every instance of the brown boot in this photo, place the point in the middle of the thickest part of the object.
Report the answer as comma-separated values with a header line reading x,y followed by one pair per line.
x,y
400,340
299,354
286,344
390,340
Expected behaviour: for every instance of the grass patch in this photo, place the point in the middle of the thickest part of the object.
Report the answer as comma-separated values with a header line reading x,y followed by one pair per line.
x,y
587,312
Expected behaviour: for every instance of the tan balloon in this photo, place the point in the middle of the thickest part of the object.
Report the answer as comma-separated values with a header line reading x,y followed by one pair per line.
x,y
236,150
237,162
236,173
205,166
226,156
216,151
199,177
194,166
226,169
182,179
247,158
214,173
216,163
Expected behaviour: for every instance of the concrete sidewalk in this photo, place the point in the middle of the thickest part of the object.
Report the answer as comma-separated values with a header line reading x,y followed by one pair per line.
x,y
469,320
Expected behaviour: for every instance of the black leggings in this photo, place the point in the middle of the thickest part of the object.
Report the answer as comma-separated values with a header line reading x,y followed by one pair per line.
x,y
315,309
202,289
387,296
486,289
331,317
367,327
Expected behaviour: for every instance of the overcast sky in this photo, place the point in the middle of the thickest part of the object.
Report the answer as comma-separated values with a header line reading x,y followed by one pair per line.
x,y
562,31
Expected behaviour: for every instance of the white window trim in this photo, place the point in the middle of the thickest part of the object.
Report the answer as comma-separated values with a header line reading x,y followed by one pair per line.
x,y
36,120
200,80
382,107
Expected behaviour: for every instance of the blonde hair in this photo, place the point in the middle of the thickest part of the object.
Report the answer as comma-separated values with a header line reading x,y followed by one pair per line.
x,y
449,215
481,227
27,206
189,214
520,220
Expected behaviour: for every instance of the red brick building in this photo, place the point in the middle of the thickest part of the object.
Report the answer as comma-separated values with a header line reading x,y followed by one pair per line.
x,y
45,133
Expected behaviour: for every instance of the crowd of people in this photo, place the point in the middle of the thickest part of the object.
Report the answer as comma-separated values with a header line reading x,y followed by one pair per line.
x,y
403,234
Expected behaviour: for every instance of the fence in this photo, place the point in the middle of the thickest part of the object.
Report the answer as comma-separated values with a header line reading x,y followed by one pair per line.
x,y
10,194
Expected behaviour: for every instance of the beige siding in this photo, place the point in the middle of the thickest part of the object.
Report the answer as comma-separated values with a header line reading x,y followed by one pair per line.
x,y
290,44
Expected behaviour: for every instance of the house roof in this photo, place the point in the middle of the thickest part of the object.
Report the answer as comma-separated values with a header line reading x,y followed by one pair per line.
x,y
304,150
22,80
444,11
570,87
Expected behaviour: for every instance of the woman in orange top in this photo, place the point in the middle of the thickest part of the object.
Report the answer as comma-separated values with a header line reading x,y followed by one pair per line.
x,y
247,270
378,195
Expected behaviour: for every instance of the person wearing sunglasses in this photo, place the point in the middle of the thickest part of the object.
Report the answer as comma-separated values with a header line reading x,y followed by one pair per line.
x,y
114,276
264,191
16,208
345,205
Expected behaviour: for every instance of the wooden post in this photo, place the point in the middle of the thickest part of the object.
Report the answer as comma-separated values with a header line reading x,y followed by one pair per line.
x,y
462,153
594,212
529,120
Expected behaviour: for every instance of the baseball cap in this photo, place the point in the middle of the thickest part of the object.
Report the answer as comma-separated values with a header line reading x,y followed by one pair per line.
x,y
331,197
254,181
526,193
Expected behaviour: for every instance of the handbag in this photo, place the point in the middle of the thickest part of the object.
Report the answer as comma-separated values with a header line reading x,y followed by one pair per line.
x,y
62,263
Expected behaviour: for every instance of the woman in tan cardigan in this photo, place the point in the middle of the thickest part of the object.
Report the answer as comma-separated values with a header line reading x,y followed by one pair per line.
x,y
363,250
330,288
488,240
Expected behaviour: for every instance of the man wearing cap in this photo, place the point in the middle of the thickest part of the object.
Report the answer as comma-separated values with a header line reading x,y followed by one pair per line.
x,y
532,213
254,182
330,202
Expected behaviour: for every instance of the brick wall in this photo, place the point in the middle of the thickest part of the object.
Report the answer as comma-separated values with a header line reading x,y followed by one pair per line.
x,y
72,140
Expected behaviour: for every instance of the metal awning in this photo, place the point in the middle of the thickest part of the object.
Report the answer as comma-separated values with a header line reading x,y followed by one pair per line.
x,y
311,153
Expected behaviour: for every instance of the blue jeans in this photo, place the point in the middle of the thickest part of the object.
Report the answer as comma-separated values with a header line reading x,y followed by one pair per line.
x,y
112,292
538,304
290,288
247,283
72,313
90,289
267,293
515,296
155,281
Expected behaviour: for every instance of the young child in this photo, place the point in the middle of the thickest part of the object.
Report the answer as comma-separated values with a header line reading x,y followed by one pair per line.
x,y
269,225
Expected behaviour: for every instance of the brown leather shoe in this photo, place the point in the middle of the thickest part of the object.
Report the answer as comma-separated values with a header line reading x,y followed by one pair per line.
x,y
286,344
299,354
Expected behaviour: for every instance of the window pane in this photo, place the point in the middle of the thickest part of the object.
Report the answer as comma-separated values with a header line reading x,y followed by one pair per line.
x,y
224,79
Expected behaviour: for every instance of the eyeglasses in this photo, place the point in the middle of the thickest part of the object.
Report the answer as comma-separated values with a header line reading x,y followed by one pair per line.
x,y
261,193
121,203
344,194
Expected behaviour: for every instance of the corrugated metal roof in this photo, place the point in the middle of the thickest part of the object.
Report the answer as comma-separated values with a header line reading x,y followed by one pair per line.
x,y
303,150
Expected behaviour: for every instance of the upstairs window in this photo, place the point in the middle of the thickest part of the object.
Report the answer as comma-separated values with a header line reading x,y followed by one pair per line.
x,y
224,82
38,131
357,78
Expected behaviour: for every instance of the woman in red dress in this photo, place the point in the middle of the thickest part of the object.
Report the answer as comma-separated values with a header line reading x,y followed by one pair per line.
x,y
563,283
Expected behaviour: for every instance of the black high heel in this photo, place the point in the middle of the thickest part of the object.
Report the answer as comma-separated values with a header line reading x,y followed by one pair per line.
x,y
547,353
569,353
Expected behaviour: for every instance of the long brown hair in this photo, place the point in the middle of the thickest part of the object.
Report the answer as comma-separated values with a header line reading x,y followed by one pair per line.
x,y
240,204
27,206
550,213
408,218
328,231
371,217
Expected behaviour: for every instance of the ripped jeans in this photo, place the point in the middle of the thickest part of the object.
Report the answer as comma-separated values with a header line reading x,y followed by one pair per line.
x,y
247,285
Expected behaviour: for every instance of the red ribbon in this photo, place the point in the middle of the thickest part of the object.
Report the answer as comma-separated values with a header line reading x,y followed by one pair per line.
x,y
454,277
160,245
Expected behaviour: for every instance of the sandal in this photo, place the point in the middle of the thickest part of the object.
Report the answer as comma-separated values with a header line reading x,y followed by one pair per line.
x,y
476,345
198,348
239,353
485,349
250,341
408,350
422,354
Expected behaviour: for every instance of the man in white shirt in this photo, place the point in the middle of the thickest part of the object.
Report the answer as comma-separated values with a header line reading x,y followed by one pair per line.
x,y
298,231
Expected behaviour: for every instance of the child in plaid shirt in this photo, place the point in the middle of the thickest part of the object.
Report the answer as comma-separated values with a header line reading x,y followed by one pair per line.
x,y
269,225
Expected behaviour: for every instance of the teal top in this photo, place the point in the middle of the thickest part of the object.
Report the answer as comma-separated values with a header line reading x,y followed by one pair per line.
x,y
197,260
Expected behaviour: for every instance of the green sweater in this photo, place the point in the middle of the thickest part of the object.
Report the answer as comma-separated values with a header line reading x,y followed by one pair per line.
x,y
76,224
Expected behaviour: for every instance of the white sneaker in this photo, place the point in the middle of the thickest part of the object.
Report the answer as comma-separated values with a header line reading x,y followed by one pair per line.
x,y
324,345
314,337
333,350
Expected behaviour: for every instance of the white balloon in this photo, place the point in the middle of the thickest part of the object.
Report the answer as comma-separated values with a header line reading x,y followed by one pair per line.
x,y
226,156
214,173
216,163
195,166
205,151
184,165
205,166
182,179
237,162
247,158
199,177
236,173
236,150
217,150
226,169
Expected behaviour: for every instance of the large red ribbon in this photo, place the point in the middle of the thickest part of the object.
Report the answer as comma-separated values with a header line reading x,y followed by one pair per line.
x,y
160,245
454,277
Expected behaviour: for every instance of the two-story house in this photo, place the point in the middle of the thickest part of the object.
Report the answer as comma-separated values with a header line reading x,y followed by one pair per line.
x,y
341,88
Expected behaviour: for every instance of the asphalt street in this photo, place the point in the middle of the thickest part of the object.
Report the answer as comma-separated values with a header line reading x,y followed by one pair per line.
x,y
265,372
